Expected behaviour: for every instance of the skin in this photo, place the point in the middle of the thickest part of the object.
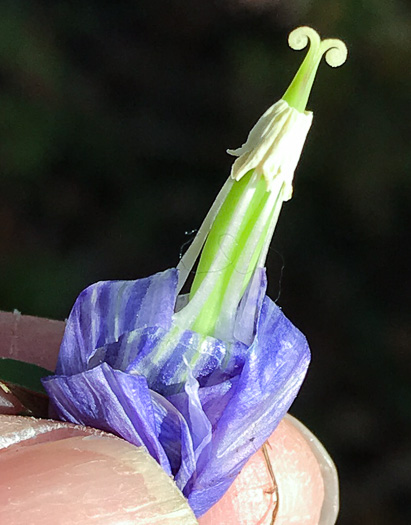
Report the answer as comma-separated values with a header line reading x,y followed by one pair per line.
x,y
48,465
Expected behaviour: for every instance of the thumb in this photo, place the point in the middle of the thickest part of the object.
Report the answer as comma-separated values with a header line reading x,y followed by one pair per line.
x,y
58,473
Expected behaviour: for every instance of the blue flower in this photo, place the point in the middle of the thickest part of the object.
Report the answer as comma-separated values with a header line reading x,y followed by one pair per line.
x,y
123,367
200,380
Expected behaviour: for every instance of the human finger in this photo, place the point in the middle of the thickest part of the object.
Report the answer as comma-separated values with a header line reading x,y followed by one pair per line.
x,y
291,480
57,473
31,339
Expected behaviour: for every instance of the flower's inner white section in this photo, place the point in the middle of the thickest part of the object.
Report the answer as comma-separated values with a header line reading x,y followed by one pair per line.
x,y
187,316
274,146
268,158
188,260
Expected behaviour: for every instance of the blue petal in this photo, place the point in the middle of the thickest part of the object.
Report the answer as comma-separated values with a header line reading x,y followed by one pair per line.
x,y
189,405
268,384
159,354
131,347
176,438
214,399
249,308
109,400
200,406
122,404
164,363
106,310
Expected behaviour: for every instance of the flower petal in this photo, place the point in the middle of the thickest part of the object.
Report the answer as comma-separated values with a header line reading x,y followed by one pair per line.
x,y
106,310
165,365
189,405
269,382
109,400
176,438
131,347
249,308
199,405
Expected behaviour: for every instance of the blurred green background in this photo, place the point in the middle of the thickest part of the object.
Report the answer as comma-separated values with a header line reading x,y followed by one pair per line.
x,y
114,120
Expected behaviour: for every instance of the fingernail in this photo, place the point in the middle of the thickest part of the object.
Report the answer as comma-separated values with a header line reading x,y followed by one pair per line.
x,y
331,504
78,480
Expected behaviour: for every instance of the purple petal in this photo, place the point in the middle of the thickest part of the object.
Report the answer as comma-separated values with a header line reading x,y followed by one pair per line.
x,y
200,406
269,382
249,308
106,310
161,357
165,364
131,348
109,400
189,405
214,399
176,438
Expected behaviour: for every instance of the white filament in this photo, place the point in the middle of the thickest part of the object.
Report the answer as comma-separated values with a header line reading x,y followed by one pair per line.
x,y
188,260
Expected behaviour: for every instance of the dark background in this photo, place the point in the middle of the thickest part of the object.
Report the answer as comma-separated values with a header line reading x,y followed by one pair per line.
x,y
114,120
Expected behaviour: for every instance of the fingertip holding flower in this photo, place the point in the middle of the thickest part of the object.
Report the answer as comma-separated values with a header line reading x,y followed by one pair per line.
x,y
200,380
58,473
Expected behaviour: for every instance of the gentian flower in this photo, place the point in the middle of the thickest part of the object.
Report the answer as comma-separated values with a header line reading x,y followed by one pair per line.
x,y
201,380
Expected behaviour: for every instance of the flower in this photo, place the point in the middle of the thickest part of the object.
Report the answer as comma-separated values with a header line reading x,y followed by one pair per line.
x,y
199,380
201,428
